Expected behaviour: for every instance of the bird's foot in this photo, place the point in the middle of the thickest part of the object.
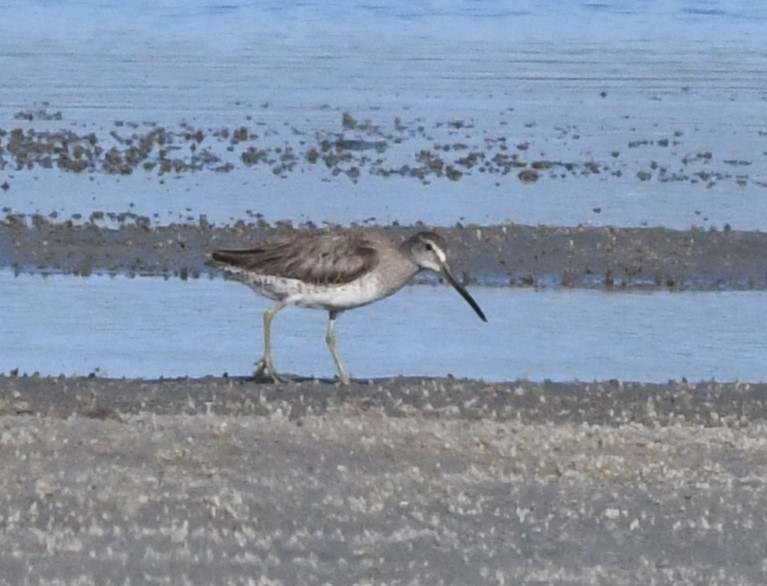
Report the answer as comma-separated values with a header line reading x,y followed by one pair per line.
x,y
265,370
343,377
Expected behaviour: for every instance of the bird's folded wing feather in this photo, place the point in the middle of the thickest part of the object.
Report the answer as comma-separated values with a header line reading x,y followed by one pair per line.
x,y
325,259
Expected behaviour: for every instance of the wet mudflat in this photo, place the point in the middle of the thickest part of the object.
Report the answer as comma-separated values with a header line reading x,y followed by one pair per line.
x,y
501,255
358,149
398,481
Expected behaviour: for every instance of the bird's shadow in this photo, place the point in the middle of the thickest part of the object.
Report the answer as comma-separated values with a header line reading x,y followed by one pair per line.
x,y
289,379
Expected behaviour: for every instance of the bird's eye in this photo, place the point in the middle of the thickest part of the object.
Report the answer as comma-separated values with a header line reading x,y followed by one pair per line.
x,y
429,246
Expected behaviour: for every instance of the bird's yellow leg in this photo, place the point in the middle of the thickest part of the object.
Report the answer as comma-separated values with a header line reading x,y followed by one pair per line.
x,y
266,365
330,338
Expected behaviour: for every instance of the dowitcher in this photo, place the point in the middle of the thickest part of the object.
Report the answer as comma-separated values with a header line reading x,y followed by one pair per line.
x,y
335,272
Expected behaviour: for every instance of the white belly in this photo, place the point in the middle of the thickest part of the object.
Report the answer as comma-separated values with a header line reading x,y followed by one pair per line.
x,y
365,290
339,297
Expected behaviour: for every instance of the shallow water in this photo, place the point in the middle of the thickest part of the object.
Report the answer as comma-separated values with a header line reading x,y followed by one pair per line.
x,y
577,82
150,327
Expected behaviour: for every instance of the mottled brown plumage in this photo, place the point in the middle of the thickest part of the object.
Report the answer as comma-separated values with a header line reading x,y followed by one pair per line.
x,y
321,259
336,272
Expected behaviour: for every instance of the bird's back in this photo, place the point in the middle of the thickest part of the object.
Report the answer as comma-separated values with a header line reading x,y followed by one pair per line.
x,y
321,259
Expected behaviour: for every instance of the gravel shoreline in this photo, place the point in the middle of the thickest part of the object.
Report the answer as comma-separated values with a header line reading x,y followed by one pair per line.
x,y
398,481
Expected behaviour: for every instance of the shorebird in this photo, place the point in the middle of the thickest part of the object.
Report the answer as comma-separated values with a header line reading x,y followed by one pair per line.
x,y
335,272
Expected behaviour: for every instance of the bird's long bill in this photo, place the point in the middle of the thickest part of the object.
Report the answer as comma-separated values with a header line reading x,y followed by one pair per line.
x,y
462,290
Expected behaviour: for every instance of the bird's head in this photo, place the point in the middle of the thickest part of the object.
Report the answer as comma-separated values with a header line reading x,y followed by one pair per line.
x,y
429,251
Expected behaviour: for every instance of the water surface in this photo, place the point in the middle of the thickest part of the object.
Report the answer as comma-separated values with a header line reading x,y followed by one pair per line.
x,y
151,327
638,89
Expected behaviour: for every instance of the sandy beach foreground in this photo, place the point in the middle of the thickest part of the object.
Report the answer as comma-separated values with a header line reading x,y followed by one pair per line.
x,y
400,481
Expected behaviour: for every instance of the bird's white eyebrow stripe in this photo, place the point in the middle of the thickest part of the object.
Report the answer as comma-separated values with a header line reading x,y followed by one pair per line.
x,y
438,250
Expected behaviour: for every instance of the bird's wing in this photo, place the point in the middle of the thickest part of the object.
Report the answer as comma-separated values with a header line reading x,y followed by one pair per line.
x,y
324,259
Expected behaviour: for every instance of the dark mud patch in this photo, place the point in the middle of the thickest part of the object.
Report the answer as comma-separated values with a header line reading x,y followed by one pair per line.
x,y
506,255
